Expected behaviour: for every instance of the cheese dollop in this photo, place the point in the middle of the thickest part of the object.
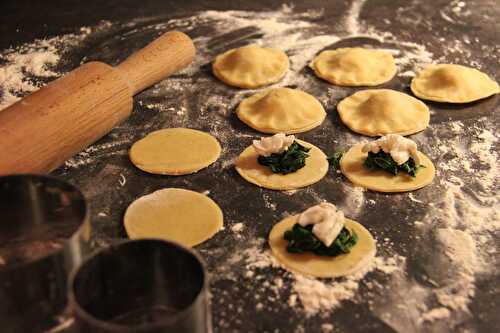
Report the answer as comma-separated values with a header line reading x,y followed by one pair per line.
x,y
399,147
328,221
275,144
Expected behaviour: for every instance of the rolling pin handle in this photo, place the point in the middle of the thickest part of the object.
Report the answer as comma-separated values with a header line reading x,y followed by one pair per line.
x,y
164,56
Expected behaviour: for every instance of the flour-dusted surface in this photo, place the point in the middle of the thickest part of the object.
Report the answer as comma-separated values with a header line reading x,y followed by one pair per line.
x,y
436,266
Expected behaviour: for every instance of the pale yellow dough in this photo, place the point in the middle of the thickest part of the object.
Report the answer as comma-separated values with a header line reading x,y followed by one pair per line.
x,y
175,214
453,84
352,167
355,66
378,112
281,110
315,169
321,266
175,151
250,66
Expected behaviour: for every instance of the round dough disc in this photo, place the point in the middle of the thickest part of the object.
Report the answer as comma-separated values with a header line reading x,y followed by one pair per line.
x,y
322,266
175,151
453,84
281,110
250,66
315,169
378,112
175,214
352,167
355,66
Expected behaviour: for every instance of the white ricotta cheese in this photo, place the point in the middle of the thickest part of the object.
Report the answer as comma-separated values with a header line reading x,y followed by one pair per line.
x,y
400,148
275,144
327,220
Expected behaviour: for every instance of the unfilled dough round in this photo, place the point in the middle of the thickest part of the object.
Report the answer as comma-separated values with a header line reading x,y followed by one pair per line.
x,y
377,112
175,151
281,110
175,214
453,84
250,66
352,167
322,266
249,168
355,66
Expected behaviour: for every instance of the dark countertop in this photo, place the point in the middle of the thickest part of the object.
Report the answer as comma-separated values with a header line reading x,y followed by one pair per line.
x,y
466,36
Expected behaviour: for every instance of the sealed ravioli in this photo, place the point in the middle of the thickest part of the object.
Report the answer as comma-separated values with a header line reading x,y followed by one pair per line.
x,y
377,112
453,84
281,110
354,66
250,66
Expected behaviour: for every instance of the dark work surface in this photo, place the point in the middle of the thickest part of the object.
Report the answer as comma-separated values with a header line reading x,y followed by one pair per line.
x,y
421,22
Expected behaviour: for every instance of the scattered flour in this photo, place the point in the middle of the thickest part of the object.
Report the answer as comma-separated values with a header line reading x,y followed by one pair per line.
x,y
36,59
436,314
462,220
122,181
327,328
238,227
25,68
308,295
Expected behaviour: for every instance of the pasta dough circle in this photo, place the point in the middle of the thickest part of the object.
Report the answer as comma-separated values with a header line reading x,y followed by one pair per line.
x,y
352,167
453,84
355,66
250,66
175,214
175,151
321,266
281,110
377,112
315,169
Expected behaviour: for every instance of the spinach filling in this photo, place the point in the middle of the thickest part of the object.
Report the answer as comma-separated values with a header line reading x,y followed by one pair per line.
x,y
301,239
384,161
291,160
334,160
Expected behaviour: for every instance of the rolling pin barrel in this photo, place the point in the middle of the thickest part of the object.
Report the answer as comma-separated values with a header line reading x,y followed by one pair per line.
x,y
40,132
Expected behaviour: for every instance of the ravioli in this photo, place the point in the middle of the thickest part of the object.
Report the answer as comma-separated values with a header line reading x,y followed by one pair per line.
x,y
250,66
355,66
281,110
453,84
378,112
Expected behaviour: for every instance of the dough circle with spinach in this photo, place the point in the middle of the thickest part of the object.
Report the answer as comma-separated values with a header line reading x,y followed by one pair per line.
x,y
316,167
323,266
352,167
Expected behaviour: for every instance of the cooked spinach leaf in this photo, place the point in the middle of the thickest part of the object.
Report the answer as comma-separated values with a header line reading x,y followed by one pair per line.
x,y
334,160
291,160
384,161
301,239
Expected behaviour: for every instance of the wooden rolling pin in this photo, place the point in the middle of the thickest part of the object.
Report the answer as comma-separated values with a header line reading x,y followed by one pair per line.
x,y
41,131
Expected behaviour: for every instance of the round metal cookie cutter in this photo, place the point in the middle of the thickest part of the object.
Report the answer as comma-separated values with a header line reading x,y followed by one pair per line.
x,y
44,233
147,286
